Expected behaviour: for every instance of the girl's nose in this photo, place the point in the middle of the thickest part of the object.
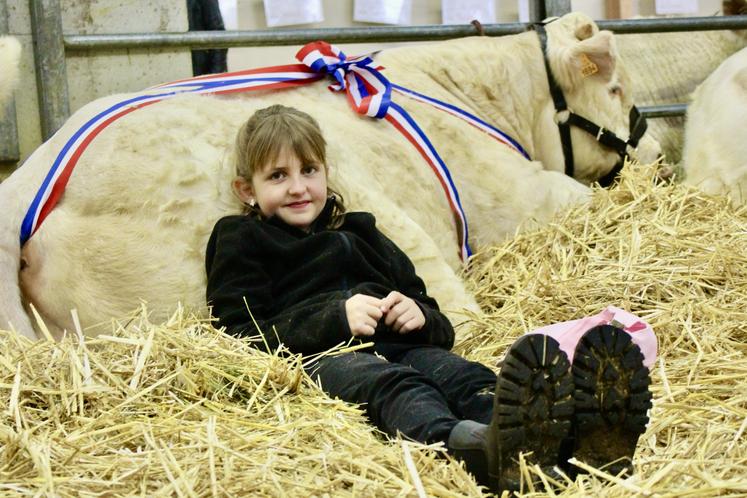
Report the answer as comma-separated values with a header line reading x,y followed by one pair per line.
x,y
296,185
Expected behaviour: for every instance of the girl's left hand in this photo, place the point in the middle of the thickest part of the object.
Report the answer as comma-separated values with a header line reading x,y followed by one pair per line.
x,y
401,313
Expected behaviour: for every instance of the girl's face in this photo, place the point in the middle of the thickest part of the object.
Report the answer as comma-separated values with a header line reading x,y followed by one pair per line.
x,y
294,192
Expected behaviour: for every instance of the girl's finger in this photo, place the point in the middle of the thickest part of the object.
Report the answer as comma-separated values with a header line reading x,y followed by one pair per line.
x,y
412,324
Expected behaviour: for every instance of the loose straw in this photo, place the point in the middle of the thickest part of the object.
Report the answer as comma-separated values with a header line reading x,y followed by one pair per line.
x,y
181,409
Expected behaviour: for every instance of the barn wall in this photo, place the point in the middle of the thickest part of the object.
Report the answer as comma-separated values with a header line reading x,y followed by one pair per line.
x,y
339,13
89,78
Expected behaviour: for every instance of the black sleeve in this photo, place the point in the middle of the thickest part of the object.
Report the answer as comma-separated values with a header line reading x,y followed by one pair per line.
x,y
437,328
240,293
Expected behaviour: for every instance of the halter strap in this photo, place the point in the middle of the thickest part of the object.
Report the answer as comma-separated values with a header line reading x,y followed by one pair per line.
x,y
565,118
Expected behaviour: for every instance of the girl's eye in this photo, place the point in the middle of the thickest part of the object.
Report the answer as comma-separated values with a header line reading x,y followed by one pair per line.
x,y
310,169
276,175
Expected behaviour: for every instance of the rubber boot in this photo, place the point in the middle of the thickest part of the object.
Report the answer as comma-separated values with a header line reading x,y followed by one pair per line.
x,y
611,397
532,411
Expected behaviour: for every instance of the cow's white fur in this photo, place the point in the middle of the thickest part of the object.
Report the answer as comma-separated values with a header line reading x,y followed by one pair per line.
x,y
10,53
715,153
137,212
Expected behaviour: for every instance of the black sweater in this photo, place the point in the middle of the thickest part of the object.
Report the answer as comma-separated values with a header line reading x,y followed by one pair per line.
x,y
296,283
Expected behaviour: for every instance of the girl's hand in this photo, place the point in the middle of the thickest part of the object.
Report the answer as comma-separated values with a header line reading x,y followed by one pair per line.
x,y
363,313
403,314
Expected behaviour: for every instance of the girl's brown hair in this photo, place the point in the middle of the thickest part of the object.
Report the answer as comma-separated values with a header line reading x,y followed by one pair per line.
x,y
270,130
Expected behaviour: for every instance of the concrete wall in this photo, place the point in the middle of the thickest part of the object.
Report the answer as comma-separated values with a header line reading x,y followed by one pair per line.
x,y
339,13
112,72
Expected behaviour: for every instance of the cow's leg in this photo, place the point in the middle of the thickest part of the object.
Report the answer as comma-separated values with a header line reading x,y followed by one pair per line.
x,y
37,291
12,314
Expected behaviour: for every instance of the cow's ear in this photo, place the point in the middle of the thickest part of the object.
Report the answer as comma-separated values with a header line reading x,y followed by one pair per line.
x,y
584,31
593,57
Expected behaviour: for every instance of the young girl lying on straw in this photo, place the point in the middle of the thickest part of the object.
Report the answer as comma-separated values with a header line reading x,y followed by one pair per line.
x,y
310,276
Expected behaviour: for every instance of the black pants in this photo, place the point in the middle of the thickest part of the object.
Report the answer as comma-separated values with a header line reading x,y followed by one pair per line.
x,y
419,391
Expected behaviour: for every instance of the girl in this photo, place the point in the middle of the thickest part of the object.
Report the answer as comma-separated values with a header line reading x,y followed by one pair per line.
x,y
304,273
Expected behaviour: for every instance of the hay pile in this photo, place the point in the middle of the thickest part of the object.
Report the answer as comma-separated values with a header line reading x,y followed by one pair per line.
x,y
182,410
179,409
674,257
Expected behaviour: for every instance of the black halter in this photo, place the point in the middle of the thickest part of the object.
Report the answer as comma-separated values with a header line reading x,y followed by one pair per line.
x,y
603,136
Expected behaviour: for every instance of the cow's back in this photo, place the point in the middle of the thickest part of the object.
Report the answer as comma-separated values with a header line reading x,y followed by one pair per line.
x,y
715,153
142,201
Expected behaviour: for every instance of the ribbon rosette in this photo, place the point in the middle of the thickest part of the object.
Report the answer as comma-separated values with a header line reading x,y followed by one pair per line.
x,y
368,91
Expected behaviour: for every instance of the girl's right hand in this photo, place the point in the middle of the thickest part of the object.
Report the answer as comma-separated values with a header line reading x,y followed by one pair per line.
x,y
363,313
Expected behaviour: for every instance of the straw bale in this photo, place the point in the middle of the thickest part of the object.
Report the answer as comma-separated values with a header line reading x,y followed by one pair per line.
x,y
180,409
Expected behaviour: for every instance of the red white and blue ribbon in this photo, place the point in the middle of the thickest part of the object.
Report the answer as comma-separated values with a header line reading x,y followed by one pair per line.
x,y
54,183
368,92
466,116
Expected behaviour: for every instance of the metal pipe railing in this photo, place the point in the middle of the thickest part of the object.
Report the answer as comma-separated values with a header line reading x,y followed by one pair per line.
x,y
663,111
542,9
49,61
8,129
261,38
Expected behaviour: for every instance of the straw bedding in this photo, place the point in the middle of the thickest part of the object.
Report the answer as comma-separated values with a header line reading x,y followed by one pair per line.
x,y
180,409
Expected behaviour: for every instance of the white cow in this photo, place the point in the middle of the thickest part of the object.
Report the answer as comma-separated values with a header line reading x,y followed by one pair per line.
x,y
667,67
10,52
715,154
135,217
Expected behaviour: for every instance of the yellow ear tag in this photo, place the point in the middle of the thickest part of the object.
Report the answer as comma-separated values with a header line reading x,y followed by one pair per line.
x,y
588,67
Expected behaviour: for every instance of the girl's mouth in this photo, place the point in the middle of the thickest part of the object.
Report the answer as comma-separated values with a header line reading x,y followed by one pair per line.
x,y
296,205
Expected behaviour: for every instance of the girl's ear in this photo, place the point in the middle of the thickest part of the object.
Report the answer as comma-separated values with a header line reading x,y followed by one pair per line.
x,y
243,190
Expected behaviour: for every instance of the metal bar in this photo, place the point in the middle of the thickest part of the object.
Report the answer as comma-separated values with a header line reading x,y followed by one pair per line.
x,y
556,8
537,10
8,128
663,111
260,38
49,59
665,25
224,39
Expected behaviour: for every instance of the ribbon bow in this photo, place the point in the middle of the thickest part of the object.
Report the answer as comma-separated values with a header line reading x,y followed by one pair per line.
x,y
368,91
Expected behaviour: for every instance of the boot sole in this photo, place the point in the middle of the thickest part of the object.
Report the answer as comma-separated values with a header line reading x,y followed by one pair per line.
x,y
532,411
612,398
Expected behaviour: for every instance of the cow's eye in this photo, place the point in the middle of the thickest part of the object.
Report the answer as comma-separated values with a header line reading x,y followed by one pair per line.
x,y
616,90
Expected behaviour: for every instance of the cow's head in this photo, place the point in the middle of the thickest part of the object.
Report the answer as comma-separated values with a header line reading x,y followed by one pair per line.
x,y
591,78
